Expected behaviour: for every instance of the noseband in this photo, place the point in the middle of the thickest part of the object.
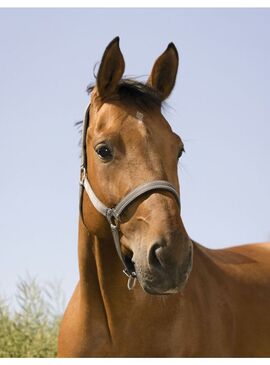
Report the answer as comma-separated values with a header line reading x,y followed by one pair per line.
x,y
113,214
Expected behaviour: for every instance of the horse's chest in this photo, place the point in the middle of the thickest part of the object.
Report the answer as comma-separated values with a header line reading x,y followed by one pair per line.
x,y
198,331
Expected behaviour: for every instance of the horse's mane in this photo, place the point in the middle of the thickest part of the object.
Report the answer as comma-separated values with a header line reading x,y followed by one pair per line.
x,y
134,91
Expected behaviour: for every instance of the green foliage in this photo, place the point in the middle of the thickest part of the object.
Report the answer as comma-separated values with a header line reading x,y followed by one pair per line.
x,y
31,329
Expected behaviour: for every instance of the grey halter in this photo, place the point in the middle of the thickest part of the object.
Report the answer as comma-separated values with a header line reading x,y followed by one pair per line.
x,y
113,214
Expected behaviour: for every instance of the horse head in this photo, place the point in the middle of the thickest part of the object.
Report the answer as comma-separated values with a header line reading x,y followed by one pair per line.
x,y
129,143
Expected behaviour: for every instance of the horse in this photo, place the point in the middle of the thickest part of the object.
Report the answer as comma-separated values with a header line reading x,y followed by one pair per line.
x,y
175,298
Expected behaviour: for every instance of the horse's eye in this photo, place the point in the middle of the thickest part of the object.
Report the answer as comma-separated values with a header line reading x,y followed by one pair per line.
x,y
180,152
104,152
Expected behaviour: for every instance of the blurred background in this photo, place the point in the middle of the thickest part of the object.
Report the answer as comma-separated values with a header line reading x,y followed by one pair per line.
x,y
220,107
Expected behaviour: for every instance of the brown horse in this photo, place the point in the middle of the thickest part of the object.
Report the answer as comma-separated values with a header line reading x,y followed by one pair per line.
x,y
220,308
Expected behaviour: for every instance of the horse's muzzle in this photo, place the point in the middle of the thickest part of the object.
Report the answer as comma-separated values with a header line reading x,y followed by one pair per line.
x,y
163,274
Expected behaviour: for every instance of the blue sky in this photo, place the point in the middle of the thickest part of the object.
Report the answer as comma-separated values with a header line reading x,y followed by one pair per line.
x,y
220,107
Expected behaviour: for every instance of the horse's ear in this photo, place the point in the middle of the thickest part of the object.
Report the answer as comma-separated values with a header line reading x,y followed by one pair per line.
x,y
163,75
111,69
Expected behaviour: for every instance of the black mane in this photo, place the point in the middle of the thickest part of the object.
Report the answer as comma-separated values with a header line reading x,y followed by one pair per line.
x,y
134,91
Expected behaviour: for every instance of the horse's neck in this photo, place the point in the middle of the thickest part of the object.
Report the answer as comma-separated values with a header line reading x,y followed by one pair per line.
x,y
102,280
98,258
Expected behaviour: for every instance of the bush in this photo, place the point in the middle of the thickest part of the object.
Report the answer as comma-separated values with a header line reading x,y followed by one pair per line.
x,y
31,328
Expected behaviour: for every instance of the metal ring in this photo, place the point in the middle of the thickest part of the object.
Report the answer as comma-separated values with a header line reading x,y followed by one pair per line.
x,y
131,282
112,219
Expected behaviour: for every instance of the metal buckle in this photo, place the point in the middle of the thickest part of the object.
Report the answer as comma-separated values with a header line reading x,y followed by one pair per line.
x,y
83,175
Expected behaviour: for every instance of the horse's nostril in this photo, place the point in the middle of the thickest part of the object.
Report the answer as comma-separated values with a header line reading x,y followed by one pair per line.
x,y
153,256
